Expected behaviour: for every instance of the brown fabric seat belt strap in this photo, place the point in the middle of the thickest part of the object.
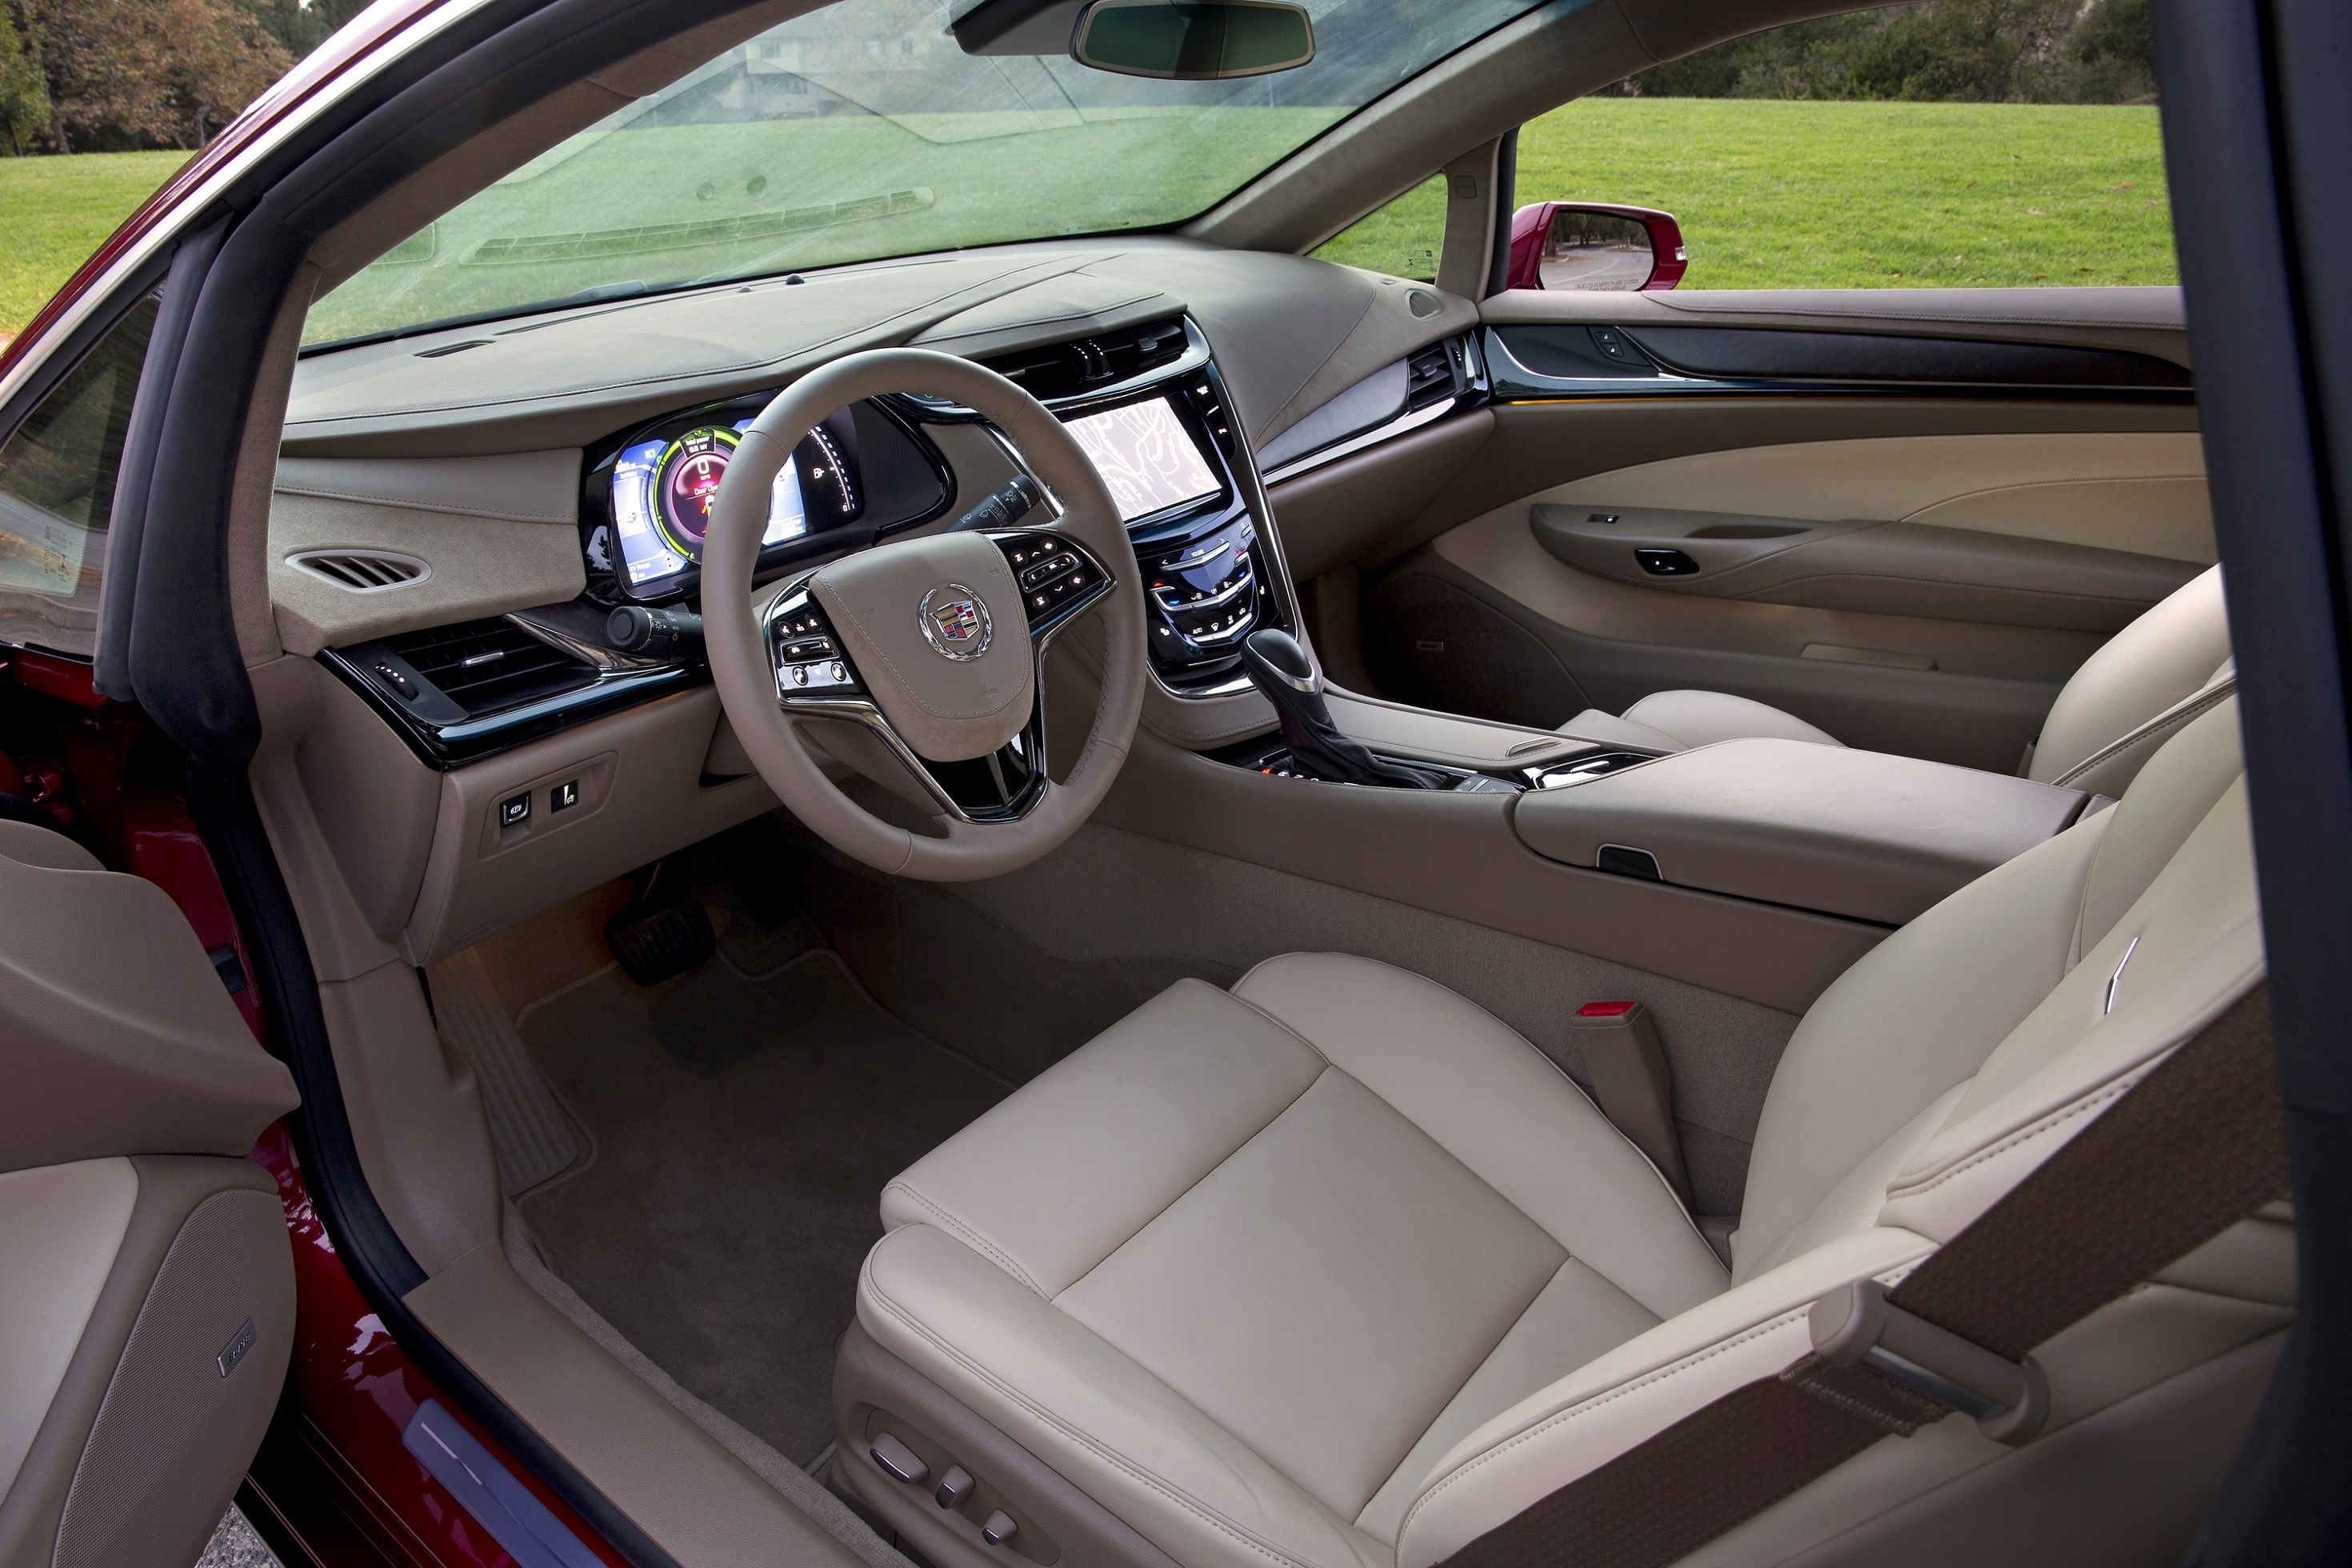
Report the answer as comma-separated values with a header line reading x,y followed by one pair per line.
x,y
2194,1147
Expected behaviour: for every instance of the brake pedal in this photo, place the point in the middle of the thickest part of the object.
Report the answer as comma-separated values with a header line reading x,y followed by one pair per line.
x,y
653,945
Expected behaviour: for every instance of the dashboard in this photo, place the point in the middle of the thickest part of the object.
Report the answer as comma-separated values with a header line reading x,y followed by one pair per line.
x,y
1133,376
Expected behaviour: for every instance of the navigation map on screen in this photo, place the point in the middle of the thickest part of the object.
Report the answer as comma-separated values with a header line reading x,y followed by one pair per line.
x,y
1145,456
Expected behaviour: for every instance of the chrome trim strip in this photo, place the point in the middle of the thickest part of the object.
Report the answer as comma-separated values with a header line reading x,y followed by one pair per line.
x,y
1209,601
606,660
1402,425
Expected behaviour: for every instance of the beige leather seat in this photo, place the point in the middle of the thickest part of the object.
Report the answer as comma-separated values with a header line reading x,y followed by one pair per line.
x,y
1335,1270
2150,679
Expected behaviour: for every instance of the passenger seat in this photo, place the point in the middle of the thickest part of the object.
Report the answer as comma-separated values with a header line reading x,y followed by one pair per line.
x,y
2152,678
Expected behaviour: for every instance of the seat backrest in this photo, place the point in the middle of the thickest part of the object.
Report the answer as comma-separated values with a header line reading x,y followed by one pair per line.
x,y
1922,1085
2178,649
1890,1052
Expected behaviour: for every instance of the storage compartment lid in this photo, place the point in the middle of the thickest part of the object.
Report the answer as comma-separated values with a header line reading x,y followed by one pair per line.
x,y
1860,833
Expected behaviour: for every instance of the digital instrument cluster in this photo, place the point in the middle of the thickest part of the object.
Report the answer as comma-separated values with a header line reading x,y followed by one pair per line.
x,y
663,489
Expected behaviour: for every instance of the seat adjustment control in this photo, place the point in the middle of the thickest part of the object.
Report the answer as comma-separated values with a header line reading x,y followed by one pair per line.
x,y
999,1529
899,1461
954,1487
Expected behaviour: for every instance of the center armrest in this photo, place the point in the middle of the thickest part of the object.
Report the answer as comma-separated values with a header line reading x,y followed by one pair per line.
x,y
1860,833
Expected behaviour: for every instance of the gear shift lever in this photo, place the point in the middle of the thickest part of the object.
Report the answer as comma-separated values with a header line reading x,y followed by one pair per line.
x,y
1279,668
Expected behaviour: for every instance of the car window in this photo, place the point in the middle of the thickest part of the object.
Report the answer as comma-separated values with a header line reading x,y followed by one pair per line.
x,y
1897,149
1402,238
57,493
865,130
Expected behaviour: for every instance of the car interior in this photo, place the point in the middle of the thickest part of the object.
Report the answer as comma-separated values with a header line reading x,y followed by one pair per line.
x,y
1532,834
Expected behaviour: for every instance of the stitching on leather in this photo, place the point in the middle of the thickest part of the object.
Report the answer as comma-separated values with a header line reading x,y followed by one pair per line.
x,y
2195,707
1561,1418
1447,1403
972,1238
1541,1056
1133,1469
2022,1136
1285,1028
404,503
1196,1181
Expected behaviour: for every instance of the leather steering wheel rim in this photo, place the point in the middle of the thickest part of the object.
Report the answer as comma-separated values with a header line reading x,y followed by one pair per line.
x,y
745,673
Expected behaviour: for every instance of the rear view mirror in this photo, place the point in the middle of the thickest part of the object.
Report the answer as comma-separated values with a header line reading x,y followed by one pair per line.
x,y
1588,246
1192,40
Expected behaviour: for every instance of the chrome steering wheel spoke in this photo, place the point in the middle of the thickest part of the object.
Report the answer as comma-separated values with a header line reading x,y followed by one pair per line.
x,y
1059,579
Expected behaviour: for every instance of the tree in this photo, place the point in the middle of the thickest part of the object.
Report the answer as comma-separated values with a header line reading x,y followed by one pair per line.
x,y
222,56
145,73
24,95
103,70
300,28
1987,51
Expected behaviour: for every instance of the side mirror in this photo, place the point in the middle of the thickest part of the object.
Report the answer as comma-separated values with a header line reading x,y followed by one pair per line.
x,y
1586,245
1192,40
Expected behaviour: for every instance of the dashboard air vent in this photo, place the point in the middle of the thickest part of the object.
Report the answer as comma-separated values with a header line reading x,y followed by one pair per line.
x,y
486,666
1068,370
1429,377
362,571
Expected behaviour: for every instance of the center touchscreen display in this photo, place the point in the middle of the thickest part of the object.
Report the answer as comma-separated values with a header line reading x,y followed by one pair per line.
x,y
1146,457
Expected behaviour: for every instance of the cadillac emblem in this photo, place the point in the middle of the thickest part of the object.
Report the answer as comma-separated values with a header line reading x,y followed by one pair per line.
x,y
954,621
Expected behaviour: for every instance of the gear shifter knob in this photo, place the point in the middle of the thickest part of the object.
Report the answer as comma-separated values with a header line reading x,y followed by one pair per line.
x,y
1278,667
1282,655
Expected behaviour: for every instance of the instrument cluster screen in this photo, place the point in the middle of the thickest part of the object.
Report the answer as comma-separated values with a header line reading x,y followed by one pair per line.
x,y
1146,458
663,491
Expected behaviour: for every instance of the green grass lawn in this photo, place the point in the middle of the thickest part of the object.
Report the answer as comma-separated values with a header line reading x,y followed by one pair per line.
x,y
1775,194
55,211
1772,193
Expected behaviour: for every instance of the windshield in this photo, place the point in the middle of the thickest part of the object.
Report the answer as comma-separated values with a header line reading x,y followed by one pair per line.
x,y
864,130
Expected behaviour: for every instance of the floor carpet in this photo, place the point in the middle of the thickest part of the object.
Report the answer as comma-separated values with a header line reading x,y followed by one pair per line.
x,y
743,1129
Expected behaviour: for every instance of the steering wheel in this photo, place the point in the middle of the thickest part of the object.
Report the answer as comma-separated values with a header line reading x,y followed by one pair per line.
x,y
933,647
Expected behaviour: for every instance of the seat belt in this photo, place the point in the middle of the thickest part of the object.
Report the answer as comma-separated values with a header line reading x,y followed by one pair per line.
x,y
2190,1150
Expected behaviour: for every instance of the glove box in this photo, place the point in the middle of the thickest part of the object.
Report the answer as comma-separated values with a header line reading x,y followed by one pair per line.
x,y
1864,835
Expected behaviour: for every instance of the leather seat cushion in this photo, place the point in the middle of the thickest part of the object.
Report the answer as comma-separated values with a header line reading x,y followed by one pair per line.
x,y
1337,1218
1684,720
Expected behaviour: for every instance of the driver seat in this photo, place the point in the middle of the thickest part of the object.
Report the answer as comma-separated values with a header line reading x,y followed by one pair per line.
x,y
1335,1270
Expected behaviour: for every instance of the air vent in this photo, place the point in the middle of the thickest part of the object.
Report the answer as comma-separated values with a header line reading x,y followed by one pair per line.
x,y
1429,377
362,571
1068,370
446,349
486,666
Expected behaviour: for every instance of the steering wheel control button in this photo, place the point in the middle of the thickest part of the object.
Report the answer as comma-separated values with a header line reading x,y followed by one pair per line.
x,y
999,1529
898,1461
514,810
955,621
955,1486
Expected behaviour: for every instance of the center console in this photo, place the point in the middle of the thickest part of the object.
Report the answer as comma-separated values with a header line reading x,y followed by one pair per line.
x,y
1146,404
